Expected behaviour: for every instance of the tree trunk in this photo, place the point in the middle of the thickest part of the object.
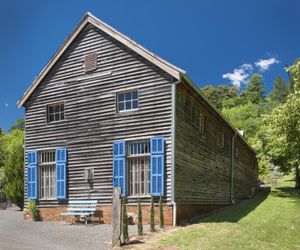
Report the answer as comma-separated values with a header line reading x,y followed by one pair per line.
x,y
297,177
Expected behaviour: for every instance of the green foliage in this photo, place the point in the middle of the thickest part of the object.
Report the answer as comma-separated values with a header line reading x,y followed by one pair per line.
x,y
33,210
279,92
140,219
220,96
152,225
161,213
2,186
254,91
20,125
13,166
281,143
124,222
245,117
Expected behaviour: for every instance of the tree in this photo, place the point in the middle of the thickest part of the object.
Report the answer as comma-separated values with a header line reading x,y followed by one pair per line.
x,y
13,166
279,92
161,213
152,225
282,135
245,117
124,222
221,95
20,124
140,219
254,91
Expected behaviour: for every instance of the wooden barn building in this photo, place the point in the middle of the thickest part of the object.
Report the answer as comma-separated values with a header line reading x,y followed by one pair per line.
x,y
106,112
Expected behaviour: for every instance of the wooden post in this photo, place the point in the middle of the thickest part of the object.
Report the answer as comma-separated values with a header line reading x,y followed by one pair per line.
x,y
116,218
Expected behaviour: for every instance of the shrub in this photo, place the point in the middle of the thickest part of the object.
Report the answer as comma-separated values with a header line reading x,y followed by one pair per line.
x,y
152,225
33,210
124,222
161,213
140,219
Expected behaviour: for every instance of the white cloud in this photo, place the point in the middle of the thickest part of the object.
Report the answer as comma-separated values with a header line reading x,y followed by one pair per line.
x,y
239,75
264,64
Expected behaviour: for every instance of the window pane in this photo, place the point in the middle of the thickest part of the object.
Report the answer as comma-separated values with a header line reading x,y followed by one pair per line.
x,y
56,116
51,109
121,106
128,96
56,108
128,105
51,118
62,116
121,97
62,107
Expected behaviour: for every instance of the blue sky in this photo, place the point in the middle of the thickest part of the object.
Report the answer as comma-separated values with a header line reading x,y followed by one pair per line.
x,y
216,42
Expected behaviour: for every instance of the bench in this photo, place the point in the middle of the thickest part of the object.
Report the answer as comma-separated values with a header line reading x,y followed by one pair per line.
x,y
83,209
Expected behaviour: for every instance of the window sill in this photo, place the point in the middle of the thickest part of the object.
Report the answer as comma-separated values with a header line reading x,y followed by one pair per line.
x,y
127,111
139,196
47,199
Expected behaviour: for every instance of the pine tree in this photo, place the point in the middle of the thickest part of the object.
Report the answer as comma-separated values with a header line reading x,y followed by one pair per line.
x,y
161,213
280,92
254,91
152,225
124,222
140,219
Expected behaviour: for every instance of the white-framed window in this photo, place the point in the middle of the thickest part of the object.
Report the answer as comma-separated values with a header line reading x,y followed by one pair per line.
x,y
55,112
138,162
47,174
128,100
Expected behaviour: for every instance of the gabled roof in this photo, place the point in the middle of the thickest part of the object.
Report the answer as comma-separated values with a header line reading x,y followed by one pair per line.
x,y
89,18
156,60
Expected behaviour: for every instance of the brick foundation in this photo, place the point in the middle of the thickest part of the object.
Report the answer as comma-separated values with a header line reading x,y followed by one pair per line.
x,y
104,213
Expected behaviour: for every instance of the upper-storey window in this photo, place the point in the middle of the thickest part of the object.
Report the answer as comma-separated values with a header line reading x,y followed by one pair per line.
x,y
55,112
128,100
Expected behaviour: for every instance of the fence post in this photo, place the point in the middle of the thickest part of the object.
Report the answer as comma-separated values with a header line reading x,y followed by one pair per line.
x,y
116,217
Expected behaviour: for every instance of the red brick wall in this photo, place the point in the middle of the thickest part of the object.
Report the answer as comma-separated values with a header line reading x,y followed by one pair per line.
x,y
103,214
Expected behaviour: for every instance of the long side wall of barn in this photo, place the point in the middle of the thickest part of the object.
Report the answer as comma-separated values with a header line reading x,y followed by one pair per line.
x,y
203,160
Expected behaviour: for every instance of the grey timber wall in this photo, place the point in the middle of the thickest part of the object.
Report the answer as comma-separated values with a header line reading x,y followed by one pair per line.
x,y
91,122
202,166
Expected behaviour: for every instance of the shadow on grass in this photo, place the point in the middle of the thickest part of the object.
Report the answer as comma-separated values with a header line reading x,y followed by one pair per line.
x,y
287,192
240,210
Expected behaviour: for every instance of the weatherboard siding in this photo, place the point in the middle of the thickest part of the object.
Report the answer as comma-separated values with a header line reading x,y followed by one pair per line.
x,y
91,122
202,168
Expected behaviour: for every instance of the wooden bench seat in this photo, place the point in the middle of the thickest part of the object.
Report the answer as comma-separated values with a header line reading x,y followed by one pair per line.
x,y
82,208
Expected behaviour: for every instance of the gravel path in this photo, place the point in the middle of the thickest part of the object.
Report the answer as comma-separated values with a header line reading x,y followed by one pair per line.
x,y
15,233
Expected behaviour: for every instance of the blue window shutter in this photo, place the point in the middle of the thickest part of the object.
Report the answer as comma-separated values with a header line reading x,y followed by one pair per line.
x,y
61,173
119,166
157,162
32,178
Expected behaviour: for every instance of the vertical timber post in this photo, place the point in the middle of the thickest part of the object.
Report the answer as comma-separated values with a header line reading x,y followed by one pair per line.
x,y
116,218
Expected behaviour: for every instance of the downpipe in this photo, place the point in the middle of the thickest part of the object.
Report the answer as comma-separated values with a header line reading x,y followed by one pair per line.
x,y
232,167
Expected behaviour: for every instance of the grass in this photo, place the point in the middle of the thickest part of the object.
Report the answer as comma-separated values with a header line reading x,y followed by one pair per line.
x,y
270,220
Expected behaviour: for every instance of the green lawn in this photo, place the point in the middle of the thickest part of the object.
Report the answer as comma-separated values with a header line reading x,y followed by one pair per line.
x,y
270,220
